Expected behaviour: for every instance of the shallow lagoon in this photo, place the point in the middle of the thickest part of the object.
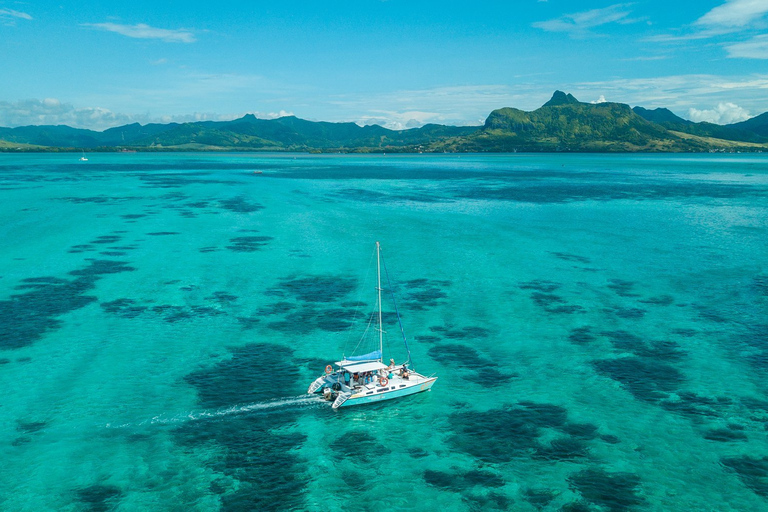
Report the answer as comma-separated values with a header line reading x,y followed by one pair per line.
x,y
599,326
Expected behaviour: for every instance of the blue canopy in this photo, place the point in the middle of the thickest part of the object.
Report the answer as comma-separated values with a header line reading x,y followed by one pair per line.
x,y
373,356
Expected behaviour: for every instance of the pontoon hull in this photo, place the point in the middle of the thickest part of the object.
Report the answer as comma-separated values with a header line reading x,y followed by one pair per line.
x,y
378,396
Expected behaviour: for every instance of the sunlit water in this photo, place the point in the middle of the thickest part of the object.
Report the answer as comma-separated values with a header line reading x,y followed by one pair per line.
x,y
598,324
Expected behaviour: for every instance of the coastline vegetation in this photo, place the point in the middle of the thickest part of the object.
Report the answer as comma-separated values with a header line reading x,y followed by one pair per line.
x,y
563,124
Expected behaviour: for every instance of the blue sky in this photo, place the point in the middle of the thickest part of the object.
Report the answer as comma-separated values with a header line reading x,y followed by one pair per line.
x,y
398,63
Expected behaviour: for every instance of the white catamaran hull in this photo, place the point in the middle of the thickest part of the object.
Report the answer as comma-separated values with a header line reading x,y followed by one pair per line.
x,y
387,393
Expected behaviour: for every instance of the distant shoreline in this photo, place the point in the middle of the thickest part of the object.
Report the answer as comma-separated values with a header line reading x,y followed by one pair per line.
x,y
562,125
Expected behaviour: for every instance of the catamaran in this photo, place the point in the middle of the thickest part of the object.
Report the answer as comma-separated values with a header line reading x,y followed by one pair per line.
x,y
365,379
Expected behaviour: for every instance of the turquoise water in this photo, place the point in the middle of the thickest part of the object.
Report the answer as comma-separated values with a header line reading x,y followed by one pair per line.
x,y
599,326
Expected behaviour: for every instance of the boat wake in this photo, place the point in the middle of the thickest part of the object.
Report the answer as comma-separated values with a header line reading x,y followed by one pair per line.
x,y
300,401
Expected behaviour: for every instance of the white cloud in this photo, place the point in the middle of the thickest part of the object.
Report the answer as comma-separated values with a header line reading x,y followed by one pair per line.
x,y
734,14
8,17
724,113
143,31
755,48
267,115
601,99
578,24
395,120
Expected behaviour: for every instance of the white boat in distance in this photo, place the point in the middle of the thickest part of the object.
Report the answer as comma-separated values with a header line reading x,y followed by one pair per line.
x,y
365,379
83,158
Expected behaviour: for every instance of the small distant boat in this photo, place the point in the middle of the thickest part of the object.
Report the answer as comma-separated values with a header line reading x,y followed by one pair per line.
x,y
365,379
83,158
257,172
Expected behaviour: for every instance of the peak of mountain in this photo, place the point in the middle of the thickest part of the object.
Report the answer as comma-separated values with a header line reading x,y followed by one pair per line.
x,y
660,115
757,125
561,98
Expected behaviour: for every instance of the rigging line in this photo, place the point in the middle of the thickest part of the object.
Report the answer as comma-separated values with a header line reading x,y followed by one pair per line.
x,y
397,311
357,306
367,328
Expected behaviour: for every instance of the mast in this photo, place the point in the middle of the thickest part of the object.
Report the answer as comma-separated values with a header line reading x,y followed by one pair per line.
x,y
378,288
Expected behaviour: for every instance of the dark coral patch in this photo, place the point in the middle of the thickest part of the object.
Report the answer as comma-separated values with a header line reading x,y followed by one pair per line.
x,y
428,339
544,297
628,342
248,243
256,454
106,239
163,233
648,381
248,322
562,449
249,376
223,298
278,308
611,491
571,257
462,481
660,300
725,435
309,318
323,288
30,427
581,335
485,371
358,446
568,309
420,294
462,333
28,316
622,288
512,432
99,497
240,205
752,471
539,498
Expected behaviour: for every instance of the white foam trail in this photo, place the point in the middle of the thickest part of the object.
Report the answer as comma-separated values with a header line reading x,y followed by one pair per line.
x,y
297,401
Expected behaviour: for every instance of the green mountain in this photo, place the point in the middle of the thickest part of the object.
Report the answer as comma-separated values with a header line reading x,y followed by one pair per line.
x,y
661,116
562,124
757,125
737,132
566,124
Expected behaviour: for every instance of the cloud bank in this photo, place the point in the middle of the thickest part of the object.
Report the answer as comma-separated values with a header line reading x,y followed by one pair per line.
x,y
143,31
755,48
8,17
724,113
579,24
734,14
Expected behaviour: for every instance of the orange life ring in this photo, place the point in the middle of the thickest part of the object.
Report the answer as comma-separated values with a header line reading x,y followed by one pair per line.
x,y
329,369
383,381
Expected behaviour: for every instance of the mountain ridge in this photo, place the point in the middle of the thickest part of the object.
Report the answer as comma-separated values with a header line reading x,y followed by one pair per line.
x,y
562,124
